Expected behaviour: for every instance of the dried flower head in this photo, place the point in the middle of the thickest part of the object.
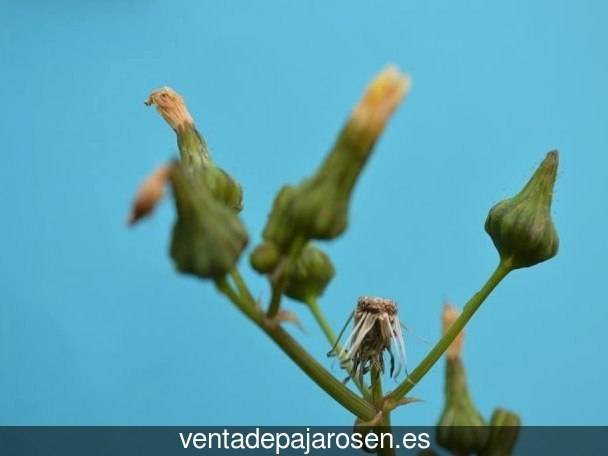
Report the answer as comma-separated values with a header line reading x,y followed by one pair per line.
x,y
171,106
376,328
149,194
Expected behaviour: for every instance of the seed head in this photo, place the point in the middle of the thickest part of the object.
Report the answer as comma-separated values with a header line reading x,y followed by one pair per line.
x,y
376,328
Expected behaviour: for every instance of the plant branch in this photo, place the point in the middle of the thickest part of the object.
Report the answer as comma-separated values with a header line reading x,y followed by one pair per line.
x,y
442,345
384,426
242,286
279,282
299,355
316,311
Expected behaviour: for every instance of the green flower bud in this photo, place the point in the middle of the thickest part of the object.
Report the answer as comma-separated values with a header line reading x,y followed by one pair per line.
x,y
504,429
208,237
193,149
265,257
223,187
279,228
521,227
461,427
310,274
320,204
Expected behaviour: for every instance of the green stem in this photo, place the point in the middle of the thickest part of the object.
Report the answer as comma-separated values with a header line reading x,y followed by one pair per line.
x,y
384,426
299,355
433,356
376,383
237,299
279,282
241,285
313,305
316,311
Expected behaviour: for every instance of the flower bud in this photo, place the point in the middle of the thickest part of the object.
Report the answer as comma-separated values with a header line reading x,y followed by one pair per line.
x,y
193,149
310,274
223,187
504,429
461,427
149,194
279,228
521,227
265,257
320,204
208,237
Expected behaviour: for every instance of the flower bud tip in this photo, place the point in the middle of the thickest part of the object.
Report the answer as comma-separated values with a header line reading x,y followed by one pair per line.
x,y
449,316
149,194
171,106
380,100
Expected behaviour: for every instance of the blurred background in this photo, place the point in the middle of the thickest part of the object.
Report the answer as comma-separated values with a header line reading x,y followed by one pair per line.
x,y
96,327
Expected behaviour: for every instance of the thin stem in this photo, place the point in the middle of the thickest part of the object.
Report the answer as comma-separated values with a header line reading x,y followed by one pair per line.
x,y
240,301
279,282
376,384
299,355
275,299
313,305
384,426
241,285
433,356
316,311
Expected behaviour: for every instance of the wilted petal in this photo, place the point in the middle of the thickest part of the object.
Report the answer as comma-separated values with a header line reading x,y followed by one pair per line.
x,y
171,106
149,194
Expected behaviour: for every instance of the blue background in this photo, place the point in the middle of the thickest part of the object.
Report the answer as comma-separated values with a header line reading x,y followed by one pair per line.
x,y
97,328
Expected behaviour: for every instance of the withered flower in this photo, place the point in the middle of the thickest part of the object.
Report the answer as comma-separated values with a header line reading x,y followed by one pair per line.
x,y
149,194
376,328
193,149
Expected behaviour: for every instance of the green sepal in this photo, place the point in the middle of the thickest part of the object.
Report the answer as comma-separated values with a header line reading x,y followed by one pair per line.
x,y
193,150
461,428
310,275
320,204
194,153
208,237
504,430
265,257
280,228
223,187
521,227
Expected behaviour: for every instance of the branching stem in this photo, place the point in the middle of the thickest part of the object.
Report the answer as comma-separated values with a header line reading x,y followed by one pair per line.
x,y
279,282
299,355
442,345
384,426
